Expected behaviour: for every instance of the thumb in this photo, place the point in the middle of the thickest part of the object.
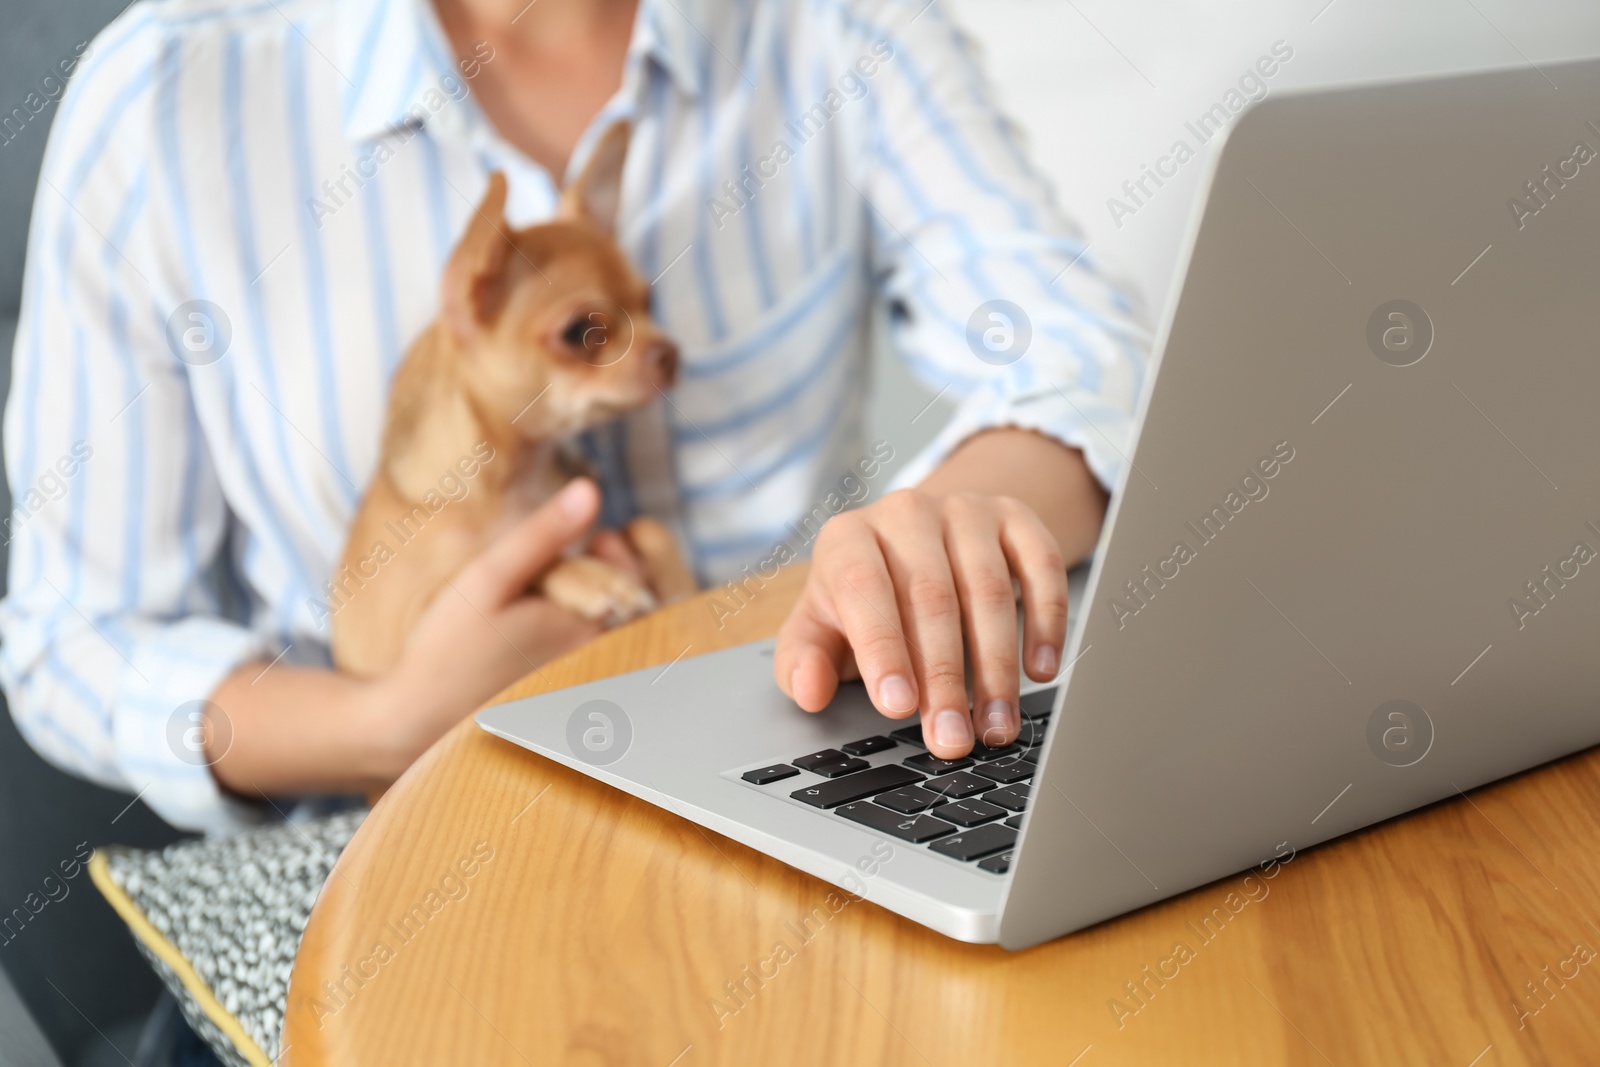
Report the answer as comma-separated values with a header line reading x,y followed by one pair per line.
x,y
502,571
810,658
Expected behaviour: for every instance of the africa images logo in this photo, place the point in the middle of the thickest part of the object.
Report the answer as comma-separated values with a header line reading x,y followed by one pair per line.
x,y
599,732
1400,333
1400,733
999,332
1541,190
199,332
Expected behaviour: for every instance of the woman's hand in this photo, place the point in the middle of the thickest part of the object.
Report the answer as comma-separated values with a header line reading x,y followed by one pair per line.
x,y
900,588
483,630
283,729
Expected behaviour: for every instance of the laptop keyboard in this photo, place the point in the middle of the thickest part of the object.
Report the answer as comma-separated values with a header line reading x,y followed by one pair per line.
x,y
967,809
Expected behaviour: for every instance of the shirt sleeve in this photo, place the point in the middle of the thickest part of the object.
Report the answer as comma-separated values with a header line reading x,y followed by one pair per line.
x,y
994,297
113,633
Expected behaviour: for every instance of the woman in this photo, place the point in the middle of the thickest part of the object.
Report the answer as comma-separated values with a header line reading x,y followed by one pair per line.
x,y
242,216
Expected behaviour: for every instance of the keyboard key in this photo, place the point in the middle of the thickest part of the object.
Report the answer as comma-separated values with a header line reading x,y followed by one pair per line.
x,y
910,735
1038,705
1031,734
996,864
839,767
913,828
1012,797
1006,771
972,844
958,785
928,763
909,800
971,812
817,759
767,775
1015,822
981,751
857,786
867,746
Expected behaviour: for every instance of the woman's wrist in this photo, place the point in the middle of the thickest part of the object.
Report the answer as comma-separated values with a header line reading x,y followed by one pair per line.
x,y
380,742
1051,478
292,730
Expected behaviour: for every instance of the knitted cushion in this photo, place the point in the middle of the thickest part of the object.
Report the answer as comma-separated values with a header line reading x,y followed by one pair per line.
x,y
220,921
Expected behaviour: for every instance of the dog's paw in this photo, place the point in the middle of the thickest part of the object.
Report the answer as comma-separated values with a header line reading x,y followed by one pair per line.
x,y
597,591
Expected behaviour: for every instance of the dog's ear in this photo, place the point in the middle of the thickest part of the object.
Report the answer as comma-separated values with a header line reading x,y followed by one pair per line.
x,y
474,286
597,190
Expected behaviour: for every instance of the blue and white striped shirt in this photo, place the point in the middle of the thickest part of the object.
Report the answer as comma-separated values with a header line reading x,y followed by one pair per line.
x,y
305,167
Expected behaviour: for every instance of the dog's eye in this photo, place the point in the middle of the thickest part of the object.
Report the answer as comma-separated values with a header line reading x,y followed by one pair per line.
x,y
599,333
587,332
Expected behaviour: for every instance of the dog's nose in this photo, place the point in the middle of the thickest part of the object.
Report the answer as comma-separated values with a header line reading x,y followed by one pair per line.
x,y
662,356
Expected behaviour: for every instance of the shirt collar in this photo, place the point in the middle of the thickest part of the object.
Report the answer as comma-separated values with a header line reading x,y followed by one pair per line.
x,y
400,66
665,30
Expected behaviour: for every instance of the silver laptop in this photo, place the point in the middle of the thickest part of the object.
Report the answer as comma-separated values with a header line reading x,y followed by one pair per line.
x,y
1352,567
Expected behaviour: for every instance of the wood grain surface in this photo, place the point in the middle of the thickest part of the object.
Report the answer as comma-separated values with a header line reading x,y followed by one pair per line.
x,y
497,908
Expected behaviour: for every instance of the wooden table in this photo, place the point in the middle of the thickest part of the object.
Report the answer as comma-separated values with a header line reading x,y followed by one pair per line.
x,y
596,929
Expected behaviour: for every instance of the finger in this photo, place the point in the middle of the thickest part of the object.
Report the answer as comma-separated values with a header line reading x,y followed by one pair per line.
x,y
502,571
861,593
1036,560
989,615
913,545
611,547
848,671
811,652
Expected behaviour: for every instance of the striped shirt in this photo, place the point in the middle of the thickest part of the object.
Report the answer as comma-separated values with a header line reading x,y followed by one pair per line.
x,y
243,214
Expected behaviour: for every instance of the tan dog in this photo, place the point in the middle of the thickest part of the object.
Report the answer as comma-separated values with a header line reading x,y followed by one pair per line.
x,y
542,332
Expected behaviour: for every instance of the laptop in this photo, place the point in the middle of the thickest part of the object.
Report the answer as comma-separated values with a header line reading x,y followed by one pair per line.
x,y
1352,566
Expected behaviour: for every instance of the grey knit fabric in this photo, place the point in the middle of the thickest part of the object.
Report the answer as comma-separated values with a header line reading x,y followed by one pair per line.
x,y
235,908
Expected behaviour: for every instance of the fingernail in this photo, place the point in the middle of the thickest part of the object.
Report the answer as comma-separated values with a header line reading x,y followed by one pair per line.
x,y
952,729
1046,659
577,497
999,723
895,694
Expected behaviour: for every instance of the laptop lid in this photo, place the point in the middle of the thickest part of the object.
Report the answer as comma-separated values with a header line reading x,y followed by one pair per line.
x,y
1353,566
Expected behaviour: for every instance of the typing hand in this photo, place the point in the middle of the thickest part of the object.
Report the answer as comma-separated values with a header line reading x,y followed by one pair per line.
x,y
900,588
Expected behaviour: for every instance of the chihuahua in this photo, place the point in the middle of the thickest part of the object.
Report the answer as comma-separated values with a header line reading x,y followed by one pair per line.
x,y
542,332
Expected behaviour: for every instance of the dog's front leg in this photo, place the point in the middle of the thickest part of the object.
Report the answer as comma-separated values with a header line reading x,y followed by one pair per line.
x,y
657,549
597,591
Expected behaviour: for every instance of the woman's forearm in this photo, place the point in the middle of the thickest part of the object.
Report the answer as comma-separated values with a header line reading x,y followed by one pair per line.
x,y
297,730
1044,474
